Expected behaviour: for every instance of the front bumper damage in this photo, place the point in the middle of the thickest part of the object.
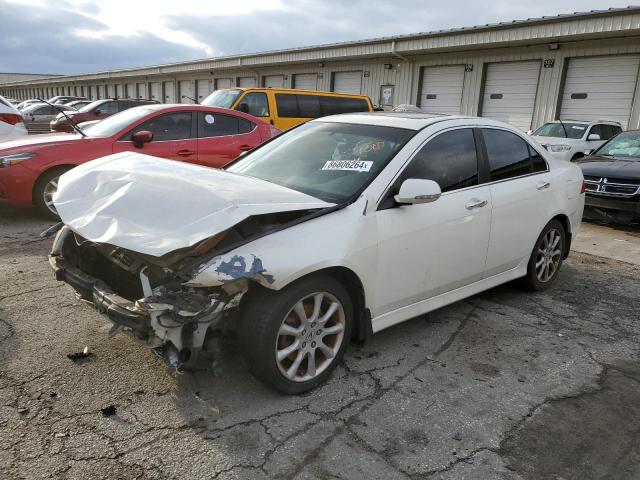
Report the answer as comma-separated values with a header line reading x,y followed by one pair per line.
x,y
175,321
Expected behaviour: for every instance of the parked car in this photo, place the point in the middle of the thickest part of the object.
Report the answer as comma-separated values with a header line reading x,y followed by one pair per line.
x,y
26,103
612,176
341,227
77,104
11,121
189,133
284,107
94,111
64,99
38,116
572,139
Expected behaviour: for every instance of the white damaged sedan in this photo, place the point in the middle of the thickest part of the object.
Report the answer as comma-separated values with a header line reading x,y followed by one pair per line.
x,y
332,231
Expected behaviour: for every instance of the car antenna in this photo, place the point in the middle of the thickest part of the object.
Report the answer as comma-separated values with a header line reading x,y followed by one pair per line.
x,y
75,127
190,98
566,134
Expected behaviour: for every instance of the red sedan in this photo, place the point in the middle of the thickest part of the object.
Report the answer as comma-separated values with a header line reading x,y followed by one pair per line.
x,y
30,167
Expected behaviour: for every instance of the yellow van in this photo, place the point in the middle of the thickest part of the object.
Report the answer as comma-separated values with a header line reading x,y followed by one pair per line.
x,y
285,108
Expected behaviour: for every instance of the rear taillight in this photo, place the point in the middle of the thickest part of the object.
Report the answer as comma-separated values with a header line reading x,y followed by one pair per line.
x,y
584,187
10,118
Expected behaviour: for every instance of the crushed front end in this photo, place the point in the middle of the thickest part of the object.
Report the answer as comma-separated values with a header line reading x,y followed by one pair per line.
x,y
144,296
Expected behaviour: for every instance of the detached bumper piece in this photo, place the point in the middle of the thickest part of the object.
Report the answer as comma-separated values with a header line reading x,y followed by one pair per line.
x,y
120,311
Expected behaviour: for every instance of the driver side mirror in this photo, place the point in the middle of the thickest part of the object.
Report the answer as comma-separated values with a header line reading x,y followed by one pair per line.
x,y
243,107
414,190
593,137
141,137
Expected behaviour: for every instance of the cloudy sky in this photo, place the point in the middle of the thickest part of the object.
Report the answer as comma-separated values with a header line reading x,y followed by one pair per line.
x,y
76,36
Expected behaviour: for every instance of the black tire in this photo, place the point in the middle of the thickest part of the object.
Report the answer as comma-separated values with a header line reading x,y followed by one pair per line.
x,y
39,191
263,318
532,280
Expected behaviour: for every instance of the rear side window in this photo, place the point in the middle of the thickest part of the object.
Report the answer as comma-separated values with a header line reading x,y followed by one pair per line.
x,y
449,159
508,154
171,126
210,125
108,107
315,106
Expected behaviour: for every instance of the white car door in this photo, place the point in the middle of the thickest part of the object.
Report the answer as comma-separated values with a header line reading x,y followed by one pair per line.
x,y
521,185
427,249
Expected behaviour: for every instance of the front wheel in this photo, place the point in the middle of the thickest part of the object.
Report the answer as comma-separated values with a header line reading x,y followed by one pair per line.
x,y
293,339
44,189
546,257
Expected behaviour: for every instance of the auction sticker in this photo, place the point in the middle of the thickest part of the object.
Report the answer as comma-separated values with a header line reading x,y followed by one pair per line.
x,y
210,119
354,165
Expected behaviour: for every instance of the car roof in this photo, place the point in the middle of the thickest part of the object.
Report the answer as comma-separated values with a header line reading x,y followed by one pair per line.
x,y
586,122
408,120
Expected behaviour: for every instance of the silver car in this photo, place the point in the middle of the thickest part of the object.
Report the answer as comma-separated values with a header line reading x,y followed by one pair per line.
x,y
38,117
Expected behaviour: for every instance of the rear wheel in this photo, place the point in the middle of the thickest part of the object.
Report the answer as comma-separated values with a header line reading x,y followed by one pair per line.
x,y
44,189
293,339
546,257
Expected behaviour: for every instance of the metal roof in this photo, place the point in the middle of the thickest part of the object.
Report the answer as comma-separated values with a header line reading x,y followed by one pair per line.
x,y
406,42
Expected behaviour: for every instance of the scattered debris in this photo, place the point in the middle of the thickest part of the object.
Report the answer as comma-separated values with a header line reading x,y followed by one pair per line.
x,y
61,435
109,411
78,357
54,395
457,436
23,410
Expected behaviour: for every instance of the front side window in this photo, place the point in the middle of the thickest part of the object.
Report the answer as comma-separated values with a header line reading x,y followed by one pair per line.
x,y
216,125
449,159
256,103
171,126
107,108
330,161
508,154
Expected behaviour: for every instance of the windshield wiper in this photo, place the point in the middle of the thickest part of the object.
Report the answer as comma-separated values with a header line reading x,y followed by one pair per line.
x,y
566,135
73,124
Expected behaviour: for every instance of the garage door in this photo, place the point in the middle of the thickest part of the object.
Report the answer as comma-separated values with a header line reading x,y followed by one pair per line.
x,y
510,92
597,88
205,87
100,91
305,81
273,81
441,89
347,82
119,91
155,91
169,92
247,82
131,90
111,91
223,83
187,91
142,90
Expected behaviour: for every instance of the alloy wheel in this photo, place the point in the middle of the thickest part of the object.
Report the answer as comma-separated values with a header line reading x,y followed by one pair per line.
x,y
549,255
47,194
310,336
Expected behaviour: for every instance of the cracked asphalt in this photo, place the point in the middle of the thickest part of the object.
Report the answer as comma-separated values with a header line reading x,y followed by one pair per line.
x,y
504,385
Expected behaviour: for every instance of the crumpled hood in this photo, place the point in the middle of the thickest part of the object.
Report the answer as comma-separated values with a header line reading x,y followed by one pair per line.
x,y
155,206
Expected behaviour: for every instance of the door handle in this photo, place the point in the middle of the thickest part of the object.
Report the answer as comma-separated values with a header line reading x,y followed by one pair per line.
x,y
245,148
543,184
475,203
185,153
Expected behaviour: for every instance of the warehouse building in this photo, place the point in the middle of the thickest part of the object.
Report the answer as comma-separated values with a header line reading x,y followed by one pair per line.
x,y
581,66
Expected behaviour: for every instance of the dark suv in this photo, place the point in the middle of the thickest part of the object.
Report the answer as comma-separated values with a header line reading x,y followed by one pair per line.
x,y
94,111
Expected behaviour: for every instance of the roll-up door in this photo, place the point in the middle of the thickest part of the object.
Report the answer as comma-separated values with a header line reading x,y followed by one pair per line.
x,y
187,94
246,82
441,89
223,83
305,81
273,81
119,91
600,88
111,91
131,90
347,82
142,91
510,92
205,87
155,91
169,92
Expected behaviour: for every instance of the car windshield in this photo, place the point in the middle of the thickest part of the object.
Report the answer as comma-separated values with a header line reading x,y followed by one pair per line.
x,y
625,145
561,130
90,106
221,98
113,124
330,161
